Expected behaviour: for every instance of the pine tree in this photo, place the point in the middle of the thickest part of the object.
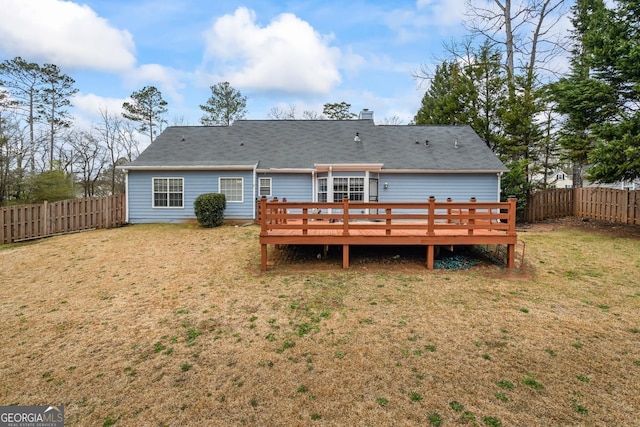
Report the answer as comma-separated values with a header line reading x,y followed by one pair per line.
x,y
224,106
147,108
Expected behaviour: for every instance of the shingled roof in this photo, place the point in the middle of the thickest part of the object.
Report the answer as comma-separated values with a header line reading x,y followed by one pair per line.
x,y
303,144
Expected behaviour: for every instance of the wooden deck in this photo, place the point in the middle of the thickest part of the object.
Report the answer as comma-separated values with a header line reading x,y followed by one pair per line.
x,y
428,224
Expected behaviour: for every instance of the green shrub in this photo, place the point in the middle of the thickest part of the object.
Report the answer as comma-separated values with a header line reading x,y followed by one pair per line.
x,y
209,209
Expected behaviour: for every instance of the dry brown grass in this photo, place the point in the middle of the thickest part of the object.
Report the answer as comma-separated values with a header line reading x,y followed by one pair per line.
x,y
174,325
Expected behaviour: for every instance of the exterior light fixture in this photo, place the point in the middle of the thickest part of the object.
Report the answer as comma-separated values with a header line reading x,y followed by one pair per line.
x,y
386,185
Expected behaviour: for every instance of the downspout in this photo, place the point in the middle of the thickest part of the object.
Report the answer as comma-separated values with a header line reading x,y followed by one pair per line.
x,y
255,178
330,185
499,185
126,196
314,187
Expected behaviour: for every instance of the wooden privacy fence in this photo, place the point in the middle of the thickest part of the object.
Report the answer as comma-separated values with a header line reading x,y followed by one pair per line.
x,y
549,204
18,223
604,204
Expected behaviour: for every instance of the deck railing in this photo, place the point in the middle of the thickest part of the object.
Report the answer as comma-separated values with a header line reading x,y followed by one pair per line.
x,y
348,215
428,223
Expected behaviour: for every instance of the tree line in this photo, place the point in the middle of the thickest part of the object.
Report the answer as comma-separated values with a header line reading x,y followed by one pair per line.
x,y
498,80
44,157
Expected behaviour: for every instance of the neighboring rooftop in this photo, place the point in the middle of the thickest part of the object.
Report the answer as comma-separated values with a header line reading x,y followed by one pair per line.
x,y
302,144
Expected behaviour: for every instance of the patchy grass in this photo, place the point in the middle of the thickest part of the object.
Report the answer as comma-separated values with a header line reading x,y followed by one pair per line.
x,y
176,325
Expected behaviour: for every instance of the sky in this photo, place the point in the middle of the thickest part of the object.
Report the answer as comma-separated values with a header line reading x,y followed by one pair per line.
x,y
277,53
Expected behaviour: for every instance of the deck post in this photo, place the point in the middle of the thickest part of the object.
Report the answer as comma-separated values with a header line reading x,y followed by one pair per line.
x,y
449,220
305,221
263,264
511,249
430,256
345,218
472,213
262,211
431,219
345,256
284,211
511,256
387,221
512,214
275,210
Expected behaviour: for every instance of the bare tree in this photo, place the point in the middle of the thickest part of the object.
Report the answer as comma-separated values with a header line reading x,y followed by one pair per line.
x,y
12,149
179,121
89,159
525,32
24,81
391,121
116,136
277,113
312,115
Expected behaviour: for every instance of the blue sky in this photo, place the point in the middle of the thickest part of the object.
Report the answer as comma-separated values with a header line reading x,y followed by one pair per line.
x,y
277,53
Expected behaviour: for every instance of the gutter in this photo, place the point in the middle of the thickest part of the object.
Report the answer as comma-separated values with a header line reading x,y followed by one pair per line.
x,y
190,168
443,171
285,170
324,167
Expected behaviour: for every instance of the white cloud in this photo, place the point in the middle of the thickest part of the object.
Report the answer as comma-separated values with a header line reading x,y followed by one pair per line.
x,y
430,19
287,55
87,107
166,79
90,105
444,12
64,33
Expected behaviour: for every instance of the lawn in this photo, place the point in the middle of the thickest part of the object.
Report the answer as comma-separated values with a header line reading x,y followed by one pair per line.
x,y
154,325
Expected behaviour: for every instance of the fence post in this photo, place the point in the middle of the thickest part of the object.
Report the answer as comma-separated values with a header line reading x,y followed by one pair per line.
x,y
45,217
3,234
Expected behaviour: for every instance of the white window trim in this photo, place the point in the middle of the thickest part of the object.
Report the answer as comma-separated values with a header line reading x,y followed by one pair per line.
x,y
318,192
153,192
260,178
348,178
241,187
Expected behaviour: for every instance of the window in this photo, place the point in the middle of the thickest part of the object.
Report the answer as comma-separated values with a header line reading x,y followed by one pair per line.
x,y
168,192
356,189
232,189
351,188
264,185
322,189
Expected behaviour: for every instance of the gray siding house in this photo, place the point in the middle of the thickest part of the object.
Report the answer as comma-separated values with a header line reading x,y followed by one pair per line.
x,y
307,160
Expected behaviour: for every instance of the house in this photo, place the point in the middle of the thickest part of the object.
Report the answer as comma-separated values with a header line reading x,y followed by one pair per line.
x,y
555,178
307,160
